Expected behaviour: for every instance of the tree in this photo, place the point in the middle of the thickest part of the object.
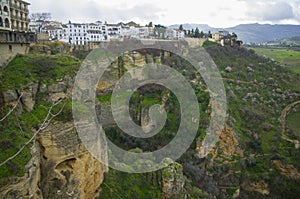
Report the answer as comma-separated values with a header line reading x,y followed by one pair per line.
x,y
239,42
181,27
40,16
234,37
197,33
209,34
192,33
201,34
150,25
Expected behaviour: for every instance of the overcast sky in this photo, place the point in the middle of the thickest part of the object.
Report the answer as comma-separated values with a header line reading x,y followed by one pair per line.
x,y
216,13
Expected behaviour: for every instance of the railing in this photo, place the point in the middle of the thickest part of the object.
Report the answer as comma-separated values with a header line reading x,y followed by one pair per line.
x,y
19,18
14,17
12,5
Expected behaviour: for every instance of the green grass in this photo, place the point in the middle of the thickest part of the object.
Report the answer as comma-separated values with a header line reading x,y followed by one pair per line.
x,y
104,98
149,101
208,43
123,185
285,56
25,69
293,121
19,72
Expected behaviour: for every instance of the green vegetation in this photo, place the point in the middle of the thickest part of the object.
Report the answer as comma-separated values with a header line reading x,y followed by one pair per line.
x,y
42,68
258,89
104,98
285,56
208,43
123,185
19,127
293,121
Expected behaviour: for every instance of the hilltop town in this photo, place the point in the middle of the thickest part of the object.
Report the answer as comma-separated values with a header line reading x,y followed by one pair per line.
x,y
19,30
44,155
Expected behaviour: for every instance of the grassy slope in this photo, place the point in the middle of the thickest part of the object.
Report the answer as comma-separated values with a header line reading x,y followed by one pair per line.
x,y
249,117
21,71
256,122
293,121
289,57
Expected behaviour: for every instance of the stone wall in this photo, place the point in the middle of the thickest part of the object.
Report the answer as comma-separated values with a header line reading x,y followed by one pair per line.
x,y
9,50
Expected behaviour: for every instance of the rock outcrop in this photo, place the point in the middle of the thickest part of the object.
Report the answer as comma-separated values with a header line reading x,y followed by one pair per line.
x,y
68,169
29,92
27,186
173,182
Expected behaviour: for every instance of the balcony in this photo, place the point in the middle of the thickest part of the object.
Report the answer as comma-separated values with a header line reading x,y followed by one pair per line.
x,y
16,7
15,17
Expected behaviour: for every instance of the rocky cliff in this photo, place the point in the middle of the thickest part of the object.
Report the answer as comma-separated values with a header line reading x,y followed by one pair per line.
x,y
60,166
255,156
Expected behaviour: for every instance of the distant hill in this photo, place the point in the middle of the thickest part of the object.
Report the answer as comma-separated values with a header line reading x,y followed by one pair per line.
x,y
254,32
203,27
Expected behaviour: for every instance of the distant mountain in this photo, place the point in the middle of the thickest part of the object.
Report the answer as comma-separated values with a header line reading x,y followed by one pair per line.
x,y
254,32
203,27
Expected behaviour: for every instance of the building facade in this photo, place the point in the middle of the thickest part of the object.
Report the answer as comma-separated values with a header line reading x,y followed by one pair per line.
x,y
83,34
14,29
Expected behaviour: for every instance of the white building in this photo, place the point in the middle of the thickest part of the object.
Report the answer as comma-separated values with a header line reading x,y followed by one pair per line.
x,y
114,31
96,32
130,31
54,29
75,33
175,34
87,33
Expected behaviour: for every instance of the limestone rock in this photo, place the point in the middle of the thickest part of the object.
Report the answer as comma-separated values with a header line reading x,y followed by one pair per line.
x,y
57,96
28,185
10,96
228,69
58,88
173,182
28,98
68,169
43,88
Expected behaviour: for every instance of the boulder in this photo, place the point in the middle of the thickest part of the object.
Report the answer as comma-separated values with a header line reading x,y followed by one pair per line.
x,y
43,88
58,88
10,96
28,98
228,69
173,181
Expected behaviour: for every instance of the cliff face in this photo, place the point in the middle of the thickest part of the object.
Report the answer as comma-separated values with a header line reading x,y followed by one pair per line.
x,y
28,185
60,166
67,168
173,182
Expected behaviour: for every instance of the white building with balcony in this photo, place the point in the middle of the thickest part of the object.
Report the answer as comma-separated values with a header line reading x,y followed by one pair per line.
x,y
114,31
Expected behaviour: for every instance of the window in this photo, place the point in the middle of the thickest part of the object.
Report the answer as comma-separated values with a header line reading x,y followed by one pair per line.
x,y
10,47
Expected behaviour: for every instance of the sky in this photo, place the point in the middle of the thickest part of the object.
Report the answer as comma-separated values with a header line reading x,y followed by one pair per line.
x,y
216,13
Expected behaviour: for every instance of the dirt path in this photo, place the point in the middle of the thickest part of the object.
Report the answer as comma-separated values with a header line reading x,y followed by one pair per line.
x,y
284,126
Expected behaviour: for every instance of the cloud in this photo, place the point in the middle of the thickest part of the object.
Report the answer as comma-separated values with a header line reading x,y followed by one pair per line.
x,y
84,11
215,13
272,10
